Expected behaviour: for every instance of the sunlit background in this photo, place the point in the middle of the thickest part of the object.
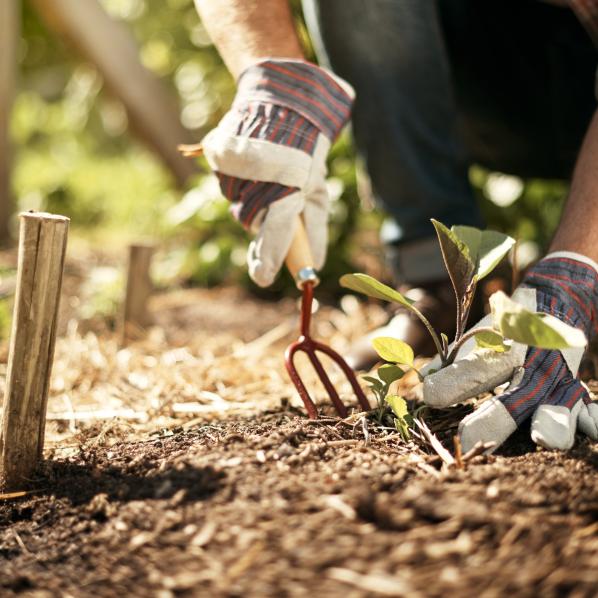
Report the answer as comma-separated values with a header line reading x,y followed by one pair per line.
x,y
76,154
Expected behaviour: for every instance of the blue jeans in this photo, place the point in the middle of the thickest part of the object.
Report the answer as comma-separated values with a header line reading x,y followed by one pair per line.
x,y
442,84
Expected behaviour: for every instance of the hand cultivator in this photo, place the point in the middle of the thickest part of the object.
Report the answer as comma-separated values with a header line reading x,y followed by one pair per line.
x,y
299,263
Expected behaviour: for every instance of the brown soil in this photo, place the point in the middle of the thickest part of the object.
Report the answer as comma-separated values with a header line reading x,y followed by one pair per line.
x,y
259,501
279,506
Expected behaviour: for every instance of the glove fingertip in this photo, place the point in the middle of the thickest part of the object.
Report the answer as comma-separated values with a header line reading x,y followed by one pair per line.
x,y
553,427
261,277
588,420
490,423
260,271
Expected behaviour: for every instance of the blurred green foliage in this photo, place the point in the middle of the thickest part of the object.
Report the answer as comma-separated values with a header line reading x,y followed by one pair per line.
x,y
74,151
75,155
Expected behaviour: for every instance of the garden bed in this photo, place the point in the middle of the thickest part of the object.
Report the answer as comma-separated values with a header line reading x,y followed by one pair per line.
x,y
275,505
211,482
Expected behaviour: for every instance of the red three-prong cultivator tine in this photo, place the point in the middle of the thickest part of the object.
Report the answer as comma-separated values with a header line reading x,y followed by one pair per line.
x,y
298,261
310,350
289,356
349,374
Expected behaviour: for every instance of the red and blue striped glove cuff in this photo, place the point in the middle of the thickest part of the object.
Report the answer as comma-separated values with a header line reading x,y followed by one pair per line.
x,y
300,86
567,289
249,197
275,124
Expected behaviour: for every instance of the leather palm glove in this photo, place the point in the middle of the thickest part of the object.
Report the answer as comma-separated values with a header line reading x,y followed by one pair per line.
x,y
269,152
543,383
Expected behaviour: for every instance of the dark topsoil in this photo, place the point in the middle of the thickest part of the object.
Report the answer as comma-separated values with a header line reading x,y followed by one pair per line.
x,y
280,506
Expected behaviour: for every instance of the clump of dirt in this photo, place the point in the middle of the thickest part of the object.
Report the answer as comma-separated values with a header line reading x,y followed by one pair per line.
x,y
277,505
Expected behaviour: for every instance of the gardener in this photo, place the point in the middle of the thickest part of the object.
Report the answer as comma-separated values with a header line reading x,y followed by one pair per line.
x,y
439,85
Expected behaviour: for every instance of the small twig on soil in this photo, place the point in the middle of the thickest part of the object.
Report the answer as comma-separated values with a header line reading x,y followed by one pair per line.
x,y
511,537
321,421
334,443
334,501
11,495
204,535
20,542
378,583
478,449
388,438
246,560
435,443
366,432
429,469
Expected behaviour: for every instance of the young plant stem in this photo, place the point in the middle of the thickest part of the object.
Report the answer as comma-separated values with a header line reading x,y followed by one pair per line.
x,y
459,343
432,332
465,315
459,327
463,309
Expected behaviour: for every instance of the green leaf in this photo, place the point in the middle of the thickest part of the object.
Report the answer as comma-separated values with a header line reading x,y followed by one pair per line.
x,y
491,340
389,373
362,283
393,350
457,260
402,428
374,382
486,248
531,328
398,405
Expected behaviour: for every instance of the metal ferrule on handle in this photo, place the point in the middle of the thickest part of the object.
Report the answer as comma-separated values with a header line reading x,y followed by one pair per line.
x,y
306,275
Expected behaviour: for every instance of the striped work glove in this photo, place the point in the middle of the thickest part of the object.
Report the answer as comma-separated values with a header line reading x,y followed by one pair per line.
x,y
543,383
269,152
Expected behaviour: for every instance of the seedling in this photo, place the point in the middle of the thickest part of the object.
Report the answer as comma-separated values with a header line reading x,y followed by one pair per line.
x,y
387,374
402,419
469,255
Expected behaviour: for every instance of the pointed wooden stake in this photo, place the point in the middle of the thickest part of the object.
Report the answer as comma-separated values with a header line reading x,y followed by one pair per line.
x,y
42,246
139,289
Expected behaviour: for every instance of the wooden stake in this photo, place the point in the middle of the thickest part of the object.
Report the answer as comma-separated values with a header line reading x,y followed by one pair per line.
x,y
139,289
42,246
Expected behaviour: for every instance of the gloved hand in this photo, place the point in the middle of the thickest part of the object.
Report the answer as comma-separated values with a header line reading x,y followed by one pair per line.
x,y
269,152
543,383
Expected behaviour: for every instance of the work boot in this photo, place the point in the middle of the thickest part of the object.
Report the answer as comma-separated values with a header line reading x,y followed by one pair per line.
x,y
436,301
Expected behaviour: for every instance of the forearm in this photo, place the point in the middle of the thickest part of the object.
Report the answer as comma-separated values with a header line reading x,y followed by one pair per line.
x,y
246,30
578,229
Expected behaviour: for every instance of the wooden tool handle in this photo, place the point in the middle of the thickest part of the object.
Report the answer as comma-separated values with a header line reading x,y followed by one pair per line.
x,y
299,255
299,260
